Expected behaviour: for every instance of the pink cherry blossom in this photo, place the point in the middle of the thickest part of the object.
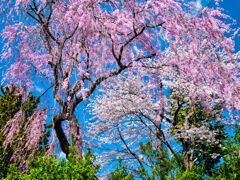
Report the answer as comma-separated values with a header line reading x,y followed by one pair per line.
x,y
75,46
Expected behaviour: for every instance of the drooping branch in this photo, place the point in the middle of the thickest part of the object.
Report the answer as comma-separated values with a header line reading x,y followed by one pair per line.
x,y
127,147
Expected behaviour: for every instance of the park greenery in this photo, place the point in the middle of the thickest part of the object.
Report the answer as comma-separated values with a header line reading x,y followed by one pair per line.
x,y
119,89
161,164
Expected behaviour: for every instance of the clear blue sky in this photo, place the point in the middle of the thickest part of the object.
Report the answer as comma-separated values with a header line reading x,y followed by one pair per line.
x,y
232,7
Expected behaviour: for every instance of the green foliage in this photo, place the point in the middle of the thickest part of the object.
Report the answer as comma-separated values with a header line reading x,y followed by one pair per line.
x,y
195,117
160,163
49,168
188,175
196,173
237,134
164,164
14,173
4,162
29,105
42,167
10,103
121,172
205,151
230,168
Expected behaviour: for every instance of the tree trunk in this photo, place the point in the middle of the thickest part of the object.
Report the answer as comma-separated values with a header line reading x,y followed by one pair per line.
x,y
188,162
159,140
188,157
64,144
74,130
76,133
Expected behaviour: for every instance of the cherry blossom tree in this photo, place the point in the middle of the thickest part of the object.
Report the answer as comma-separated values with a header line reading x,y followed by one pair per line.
x,y
75,46
193,69
127,116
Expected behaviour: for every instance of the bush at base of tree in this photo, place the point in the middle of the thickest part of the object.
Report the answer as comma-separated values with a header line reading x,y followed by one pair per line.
x,y
49,168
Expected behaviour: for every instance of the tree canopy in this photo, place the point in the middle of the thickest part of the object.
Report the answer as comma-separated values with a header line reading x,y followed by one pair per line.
x,y
153,82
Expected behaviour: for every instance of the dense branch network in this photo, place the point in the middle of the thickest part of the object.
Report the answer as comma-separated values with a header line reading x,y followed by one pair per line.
x,y
80,46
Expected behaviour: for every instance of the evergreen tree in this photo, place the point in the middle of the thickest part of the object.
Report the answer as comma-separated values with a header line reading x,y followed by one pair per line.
x,y
11,102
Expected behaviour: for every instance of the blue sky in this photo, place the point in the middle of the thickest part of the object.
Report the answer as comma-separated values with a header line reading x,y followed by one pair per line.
x,y
232,7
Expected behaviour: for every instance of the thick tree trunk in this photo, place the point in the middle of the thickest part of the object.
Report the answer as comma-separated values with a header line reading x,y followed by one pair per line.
x,y
159,140
75,131
188,161
64,144
187,157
